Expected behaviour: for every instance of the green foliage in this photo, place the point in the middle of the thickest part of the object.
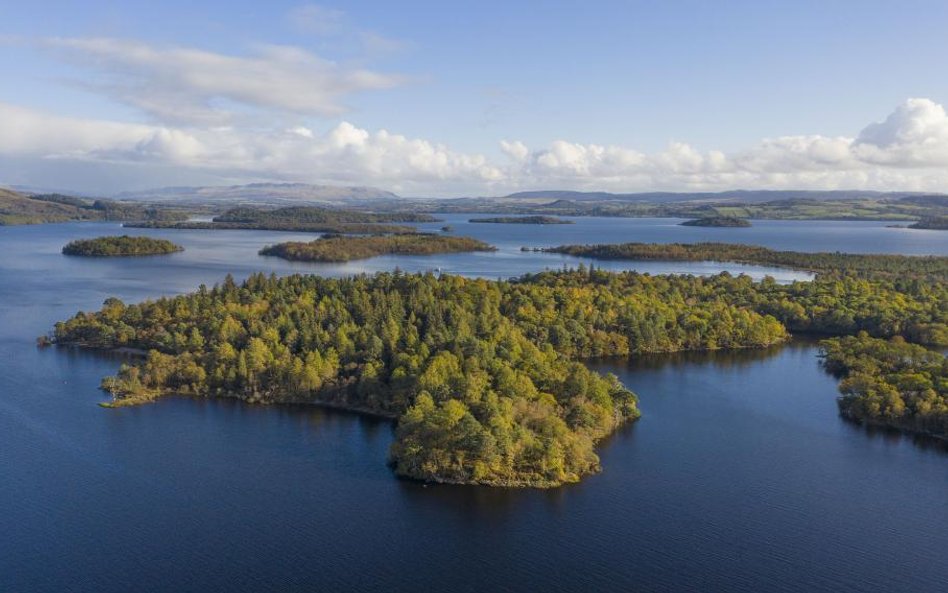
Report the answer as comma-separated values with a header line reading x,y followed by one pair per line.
x,y
332,248
120,246
890,383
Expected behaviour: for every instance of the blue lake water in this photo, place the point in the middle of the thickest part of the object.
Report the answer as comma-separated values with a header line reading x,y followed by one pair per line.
x,y
740,476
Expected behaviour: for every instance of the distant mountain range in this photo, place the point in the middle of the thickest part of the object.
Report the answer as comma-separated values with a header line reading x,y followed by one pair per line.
x,y
290,193
740,195
259,193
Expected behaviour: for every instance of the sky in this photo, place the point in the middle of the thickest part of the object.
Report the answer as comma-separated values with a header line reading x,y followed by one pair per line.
x,y
443,99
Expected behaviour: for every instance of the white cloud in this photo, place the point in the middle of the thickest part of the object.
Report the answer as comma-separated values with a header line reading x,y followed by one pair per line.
x,y
344,154
186,86
914,135
516,150
906,151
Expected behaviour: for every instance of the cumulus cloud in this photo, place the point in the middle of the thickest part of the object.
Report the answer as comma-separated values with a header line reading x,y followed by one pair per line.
x,y
914,135
345,153
186,86
516,150
908,150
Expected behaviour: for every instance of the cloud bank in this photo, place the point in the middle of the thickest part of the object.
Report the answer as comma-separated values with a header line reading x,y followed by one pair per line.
x,y
907,150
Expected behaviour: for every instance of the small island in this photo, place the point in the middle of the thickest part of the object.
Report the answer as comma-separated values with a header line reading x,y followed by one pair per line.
x,y
334,248
932,223
718,221
521,220
123,246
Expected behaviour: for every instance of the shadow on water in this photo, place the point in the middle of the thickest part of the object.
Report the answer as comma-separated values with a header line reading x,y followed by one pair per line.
x,y
500,500
894,436
722,359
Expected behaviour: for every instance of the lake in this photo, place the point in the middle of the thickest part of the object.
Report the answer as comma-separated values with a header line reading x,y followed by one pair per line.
x,y
740,476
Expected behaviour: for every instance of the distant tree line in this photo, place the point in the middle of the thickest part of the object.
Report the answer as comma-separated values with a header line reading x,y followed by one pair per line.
x,y
312,219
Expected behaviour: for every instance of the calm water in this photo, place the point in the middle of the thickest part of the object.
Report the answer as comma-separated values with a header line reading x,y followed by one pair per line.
x,y
740,475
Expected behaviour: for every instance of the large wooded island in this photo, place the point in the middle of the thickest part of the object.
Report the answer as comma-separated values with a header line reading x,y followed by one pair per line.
x,y
337,248
484,377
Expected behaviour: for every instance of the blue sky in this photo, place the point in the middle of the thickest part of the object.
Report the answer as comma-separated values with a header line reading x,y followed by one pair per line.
x,y
418,96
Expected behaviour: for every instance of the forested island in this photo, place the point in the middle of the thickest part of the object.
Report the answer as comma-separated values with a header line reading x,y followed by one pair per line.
x,y
718,221
311,219
484,377
120,246
333,248
902,265
521,220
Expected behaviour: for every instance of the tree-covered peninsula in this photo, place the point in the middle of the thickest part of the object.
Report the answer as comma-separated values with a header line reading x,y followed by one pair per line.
x,y
890,383
483,376
521,220
120,246
851,263
333,248
718,221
